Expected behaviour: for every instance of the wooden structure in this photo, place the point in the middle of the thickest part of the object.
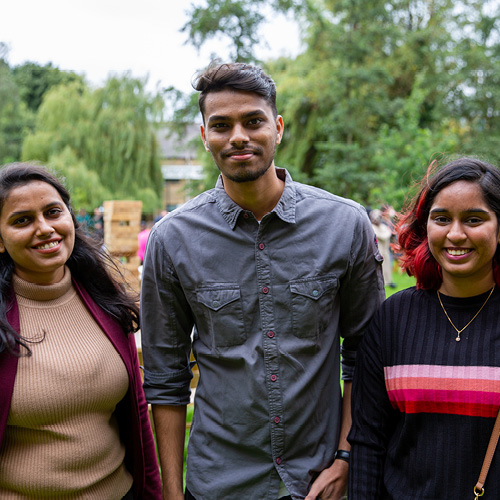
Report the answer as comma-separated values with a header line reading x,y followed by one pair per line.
x,y
122,224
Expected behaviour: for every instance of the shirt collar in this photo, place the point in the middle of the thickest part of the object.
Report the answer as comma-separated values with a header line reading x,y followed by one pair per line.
x,y
285,208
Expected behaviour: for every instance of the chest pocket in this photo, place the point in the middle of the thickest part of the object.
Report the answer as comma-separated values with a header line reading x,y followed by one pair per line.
x,y
220,322
312,305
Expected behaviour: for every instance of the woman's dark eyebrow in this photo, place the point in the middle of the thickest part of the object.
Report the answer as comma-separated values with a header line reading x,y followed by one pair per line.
x,y
469,210
45,207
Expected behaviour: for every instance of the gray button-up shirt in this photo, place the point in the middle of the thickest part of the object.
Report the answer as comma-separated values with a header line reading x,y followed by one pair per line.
x,y
269,303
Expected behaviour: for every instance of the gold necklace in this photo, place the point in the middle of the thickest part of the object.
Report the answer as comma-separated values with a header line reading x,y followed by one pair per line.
x,y
475,316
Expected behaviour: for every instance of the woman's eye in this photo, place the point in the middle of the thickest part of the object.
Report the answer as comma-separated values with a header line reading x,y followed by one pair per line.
x,y
20,221
54,212
474,220
441,219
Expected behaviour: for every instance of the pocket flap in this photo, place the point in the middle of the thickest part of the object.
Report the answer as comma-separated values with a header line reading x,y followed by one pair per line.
x,y
314,288
217,297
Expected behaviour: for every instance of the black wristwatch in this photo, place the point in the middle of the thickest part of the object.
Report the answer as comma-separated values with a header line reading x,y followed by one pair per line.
x,y
342,455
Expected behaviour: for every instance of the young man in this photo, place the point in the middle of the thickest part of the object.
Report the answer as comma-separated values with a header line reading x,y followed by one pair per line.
x,y
271,273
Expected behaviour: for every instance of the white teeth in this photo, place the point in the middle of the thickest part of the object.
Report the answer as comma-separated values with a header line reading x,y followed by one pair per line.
x,y
457,252
52,244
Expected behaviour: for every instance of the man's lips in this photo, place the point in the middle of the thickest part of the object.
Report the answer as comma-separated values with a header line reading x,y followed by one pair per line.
x,y
241,156
241,153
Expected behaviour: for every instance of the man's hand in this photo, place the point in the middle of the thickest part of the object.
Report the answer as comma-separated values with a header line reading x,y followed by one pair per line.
x,y
331,484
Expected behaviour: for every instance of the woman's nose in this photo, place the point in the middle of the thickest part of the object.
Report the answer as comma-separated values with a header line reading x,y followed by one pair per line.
x,y
456,232
43,227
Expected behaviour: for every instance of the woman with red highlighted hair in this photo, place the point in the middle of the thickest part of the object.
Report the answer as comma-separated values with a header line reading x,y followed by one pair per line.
x,y
426,390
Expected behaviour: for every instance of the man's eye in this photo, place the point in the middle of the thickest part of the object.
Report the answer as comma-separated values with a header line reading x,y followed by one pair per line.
x,y
219,125
255,121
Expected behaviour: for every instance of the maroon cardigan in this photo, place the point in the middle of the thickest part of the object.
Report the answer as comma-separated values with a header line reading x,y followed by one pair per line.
x,y
131,413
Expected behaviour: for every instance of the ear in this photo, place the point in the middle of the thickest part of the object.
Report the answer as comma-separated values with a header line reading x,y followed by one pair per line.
x,y
2,246
203,138
279,129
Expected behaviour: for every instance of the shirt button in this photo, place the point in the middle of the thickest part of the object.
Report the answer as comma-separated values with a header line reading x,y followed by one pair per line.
x,y
215,303
278,460
315,293
277,420
265,290
262,246
274,378
270,334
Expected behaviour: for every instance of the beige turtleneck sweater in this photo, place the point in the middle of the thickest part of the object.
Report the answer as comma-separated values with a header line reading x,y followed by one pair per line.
x,y
62,438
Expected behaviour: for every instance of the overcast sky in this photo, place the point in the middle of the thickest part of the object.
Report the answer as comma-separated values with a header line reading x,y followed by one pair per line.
x,y
102,37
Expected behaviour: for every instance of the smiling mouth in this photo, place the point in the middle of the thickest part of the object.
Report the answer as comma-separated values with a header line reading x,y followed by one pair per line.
x,y
240,153
47,246
457,253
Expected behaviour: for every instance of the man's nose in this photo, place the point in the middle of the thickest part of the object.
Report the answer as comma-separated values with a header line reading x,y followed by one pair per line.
x,y
239,135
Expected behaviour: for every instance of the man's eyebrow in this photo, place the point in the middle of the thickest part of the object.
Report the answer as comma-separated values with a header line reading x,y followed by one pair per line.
x,y
250,114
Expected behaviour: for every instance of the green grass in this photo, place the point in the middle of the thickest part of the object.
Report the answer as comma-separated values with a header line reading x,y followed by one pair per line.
x,y
402,281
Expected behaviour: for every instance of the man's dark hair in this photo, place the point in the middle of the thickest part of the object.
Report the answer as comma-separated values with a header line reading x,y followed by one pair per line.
x,y
237,76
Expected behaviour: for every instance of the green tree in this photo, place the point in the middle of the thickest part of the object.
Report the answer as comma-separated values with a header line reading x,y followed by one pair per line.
x,y
33,81
404,150
380,89
84,185
109,130
476,101
13,114
236,20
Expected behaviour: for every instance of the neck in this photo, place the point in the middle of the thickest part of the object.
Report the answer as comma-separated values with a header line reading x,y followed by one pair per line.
x,y
466,289
259,196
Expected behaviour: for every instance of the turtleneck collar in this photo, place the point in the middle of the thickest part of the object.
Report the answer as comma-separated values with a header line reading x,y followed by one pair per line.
x,y
34,291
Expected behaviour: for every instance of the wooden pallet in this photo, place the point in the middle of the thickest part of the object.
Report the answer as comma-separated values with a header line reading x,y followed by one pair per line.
x,y
122,224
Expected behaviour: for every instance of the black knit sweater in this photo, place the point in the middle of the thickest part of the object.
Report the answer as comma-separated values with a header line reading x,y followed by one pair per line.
x,y
424,404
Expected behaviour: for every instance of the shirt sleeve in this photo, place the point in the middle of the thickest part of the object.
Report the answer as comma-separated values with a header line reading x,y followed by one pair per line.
x,y
361,291
166,325
372,420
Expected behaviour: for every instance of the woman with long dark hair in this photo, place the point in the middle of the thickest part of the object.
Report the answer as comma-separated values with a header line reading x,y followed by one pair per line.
x,y
73,419
426,389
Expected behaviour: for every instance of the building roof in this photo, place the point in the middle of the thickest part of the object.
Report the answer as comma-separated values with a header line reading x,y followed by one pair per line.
x,y
174,146
181,172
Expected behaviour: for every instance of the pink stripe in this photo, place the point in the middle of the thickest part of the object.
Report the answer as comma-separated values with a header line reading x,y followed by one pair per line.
x,y
483,398
441,371
447,384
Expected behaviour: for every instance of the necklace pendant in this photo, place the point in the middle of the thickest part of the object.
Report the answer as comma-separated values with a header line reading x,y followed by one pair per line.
x,y
458,339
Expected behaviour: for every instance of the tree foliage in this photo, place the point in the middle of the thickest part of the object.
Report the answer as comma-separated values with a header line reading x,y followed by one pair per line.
x,y
109,132
381,88
238,21
13,116
34,80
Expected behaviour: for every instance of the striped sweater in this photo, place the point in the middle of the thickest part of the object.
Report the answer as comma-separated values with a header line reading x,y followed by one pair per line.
x,y
424,404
